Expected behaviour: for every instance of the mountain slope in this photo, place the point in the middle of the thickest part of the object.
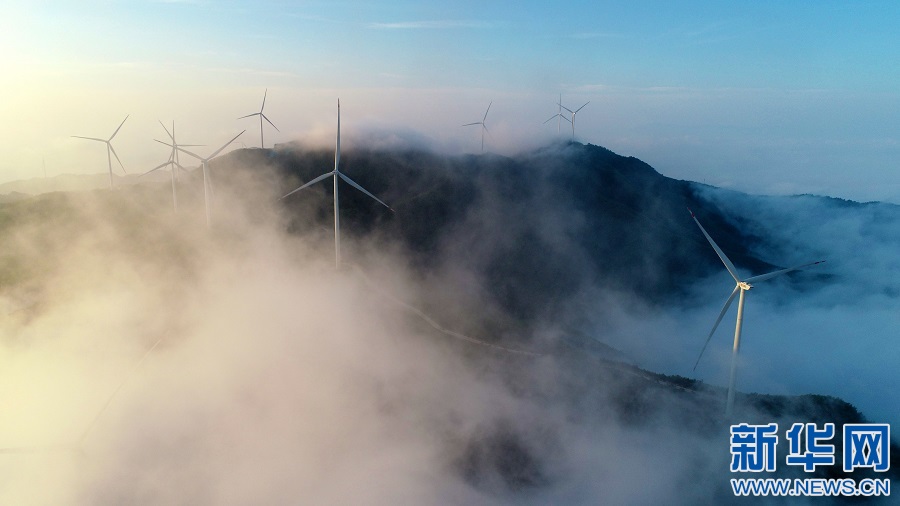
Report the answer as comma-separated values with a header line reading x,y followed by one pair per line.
x,y
539,228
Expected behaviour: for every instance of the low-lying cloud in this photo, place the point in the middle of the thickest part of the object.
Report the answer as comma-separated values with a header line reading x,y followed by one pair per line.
x,y
152,361
834,333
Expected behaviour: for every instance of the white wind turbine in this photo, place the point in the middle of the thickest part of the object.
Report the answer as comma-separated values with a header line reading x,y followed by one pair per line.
x,y
262,117
175,144
109,149
483,126
559,117
573,113
205,165
336,173
742,285
173,161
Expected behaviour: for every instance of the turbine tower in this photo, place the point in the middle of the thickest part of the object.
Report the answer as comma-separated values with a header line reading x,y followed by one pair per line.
x,y
573,113
262,117
336,173
742,285
483,126
173,161
175,144
559,117
109,149
205,165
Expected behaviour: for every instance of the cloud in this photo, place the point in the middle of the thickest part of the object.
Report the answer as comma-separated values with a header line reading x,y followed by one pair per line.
x,y
830,332
188,2
444,24
269,376
595,35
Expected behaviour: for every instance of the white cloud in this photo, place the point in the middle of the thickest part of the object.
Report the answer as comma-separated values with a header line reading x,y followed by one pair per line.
x,y
429,25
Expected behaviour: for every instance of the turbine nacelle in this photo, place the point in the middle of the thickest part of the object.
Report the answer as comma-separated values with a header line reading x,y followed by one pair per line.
x,y
573,113
336,174
204,163
110,150
262,117
741,287
483,126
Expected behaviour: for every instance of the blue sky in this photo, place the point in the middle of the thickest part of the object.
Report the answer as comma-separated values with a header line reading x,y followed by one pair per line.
x,y
766,97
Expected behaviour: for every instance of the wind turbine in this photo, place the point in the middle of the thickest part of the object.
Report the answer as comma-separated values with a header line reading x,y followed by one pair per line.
x,y
336,173
483,126
175,145
742,285
559,117
173,161
262,117
205,164
109,149
573,114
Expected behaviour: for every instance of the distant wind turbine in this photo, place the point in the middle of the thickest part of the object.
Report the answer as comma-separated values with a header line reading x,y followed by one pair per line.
x,y
483,126
573,113
742,285
173,161
262,117
175,144
336,173
559,117
205,164
109,149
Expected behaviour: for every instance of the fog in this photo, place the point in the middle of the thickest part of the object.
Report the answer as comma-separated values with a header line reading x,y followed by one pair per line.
x,y
152,361
830,330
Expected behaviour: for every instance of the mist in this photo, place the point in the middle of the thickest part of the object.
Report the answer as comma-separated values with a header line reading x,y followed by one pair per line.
x,y
153,361
830,329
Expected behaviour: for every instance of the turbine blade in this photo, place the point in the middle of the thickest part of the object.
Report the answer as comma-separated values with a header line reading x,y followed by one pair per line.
x,y
171,135
566,108
267,119
247,116
263,106
120,126
487,111
210,157
111,148
89,138
551,117
716,325
179,148
360,188
467,124
725,260
314,181
582,107
157,167
763,277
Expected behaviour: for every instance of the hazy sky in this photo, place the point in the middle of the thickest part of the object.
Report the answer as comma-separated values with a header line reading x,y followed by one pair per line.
x,y
766,97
